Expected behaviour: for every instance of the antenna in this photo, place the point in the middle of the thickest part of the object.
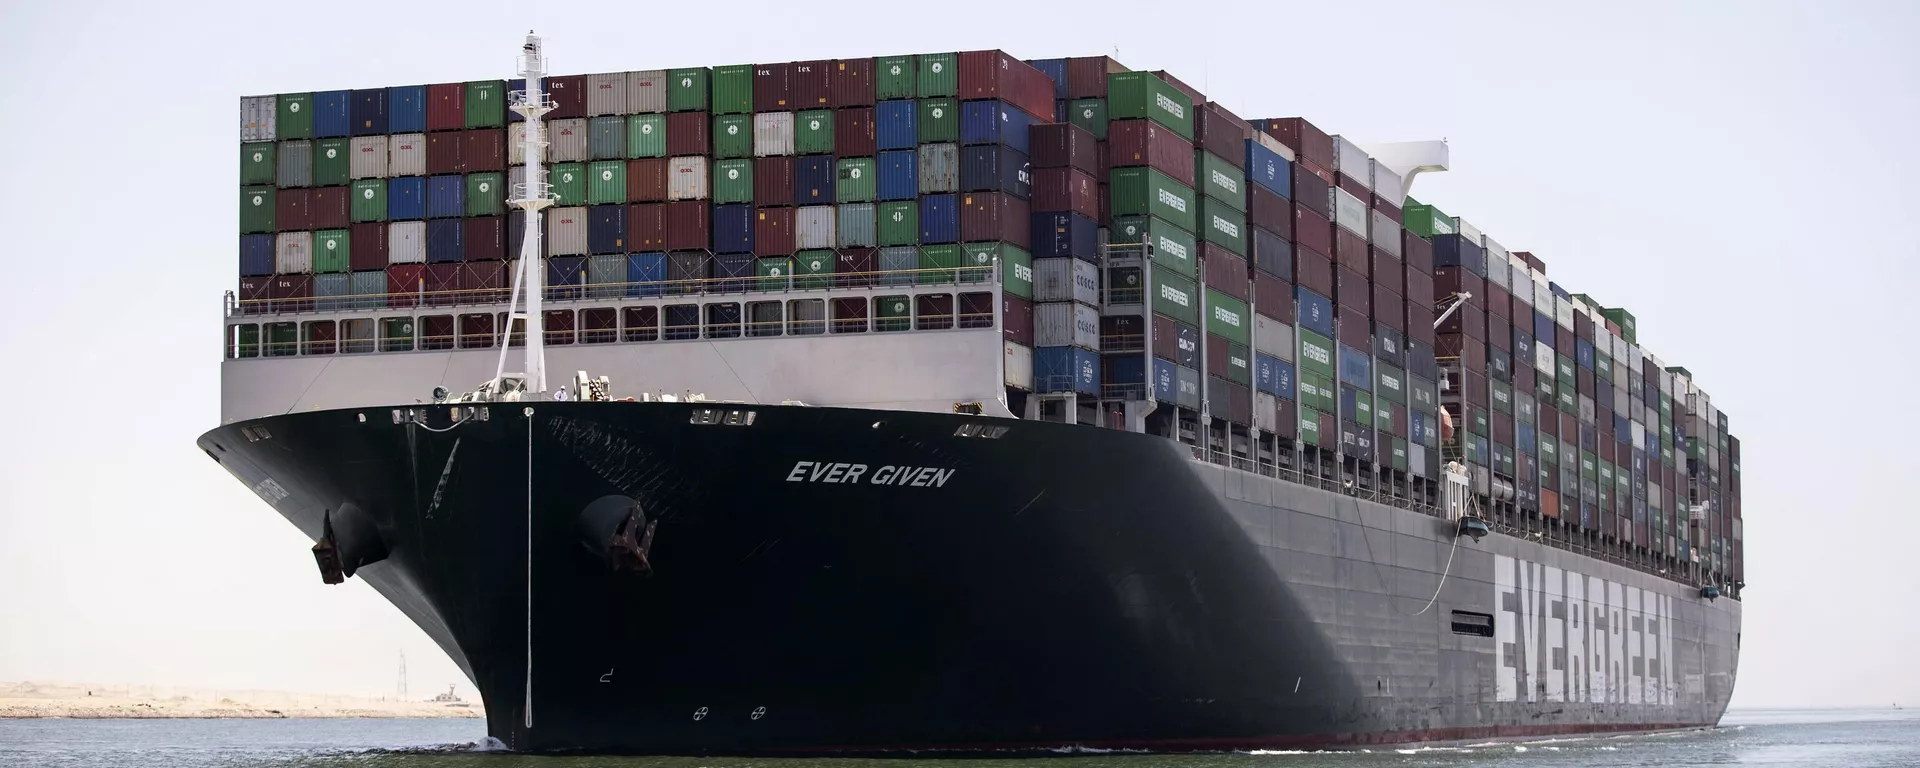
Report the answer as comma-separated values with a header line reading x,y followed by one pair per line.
x,y
532,195
403,675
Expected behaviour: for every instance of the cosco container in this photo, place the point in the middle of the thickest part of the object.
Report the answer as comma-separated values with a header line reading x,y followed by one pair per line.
x,y
567,231
1066,369
1066,324
1066,280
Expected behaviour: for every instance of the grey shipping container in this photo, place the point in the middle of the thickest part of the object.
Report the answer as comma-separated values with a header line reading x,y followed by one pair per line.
x,y
369,157
772,134
607,137
296,165
293,253
900,258
606,276
647,91
257,114
1386,234
372,283
407,242
683,267
1066,279
567,232
567,140
407,154
1349,212
1187,383
1066,324
331,290
813,227
607,94
1273,337
856,226
939,168
687,178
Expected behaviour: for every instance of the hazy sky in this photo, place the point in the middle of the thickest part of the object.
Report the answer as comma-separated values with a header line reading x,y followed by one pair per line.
x,y
1738,174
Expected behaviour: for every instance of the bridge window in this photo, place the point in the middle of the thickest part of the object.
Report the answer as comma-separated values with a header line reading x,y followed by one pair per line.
x,y
356,336
976,310
436,332
892,313
243,340
396,334
558,326
283,339
807,317
933,311
640,324
600,325
849,316
1469,623
764,318
723,320
476,331
683,322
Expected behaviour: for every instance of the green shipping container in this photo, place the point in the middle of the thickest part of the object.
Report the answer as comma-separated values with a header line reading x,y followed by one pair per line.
x,y
976,265
1090,114
1223,226
256,210
894,78
1171,247
1316,353
1389,383
733,90
1362,407
1399,454
1549,457
607,182
1176,297
1589,466
732,136
1147,192
899,222
1421,397
1382,414
1502,397
1480,426
1016,265
733,181
646,136
892,313
487,193
370,200
813,132
1317,392
1629,327
1140,94
332,163
1425,220
1563,369
283,339
939,75
945,258
855,180
259,163
1543,389
569,182
246,341
1228,317
939,121
775,272
1310,427
487,104
295,118
687,89
1240,364
1219,180
332,251
815,262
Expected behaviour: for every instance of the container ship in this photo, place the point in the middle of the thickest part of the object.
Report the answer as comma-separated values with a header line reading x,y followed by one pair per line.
x,y
956,401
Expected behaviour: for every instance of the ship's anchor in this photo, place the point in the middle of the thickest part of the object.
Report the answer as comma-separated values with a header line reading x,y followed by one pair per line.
x,y
326,553
628,547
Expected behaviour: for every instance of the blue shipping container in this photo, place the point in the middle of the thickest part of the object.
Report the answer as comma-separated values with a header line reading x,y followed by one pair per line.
x,y
325,287
813,180
1273,376
407,109
1543,329
1166,381
1130,368
1583,354
565,276
1313,311
1522,348
994,122
1060,235
256,255
939,219
1417,427
994,168
446,197
332,114
1559,291
446,241
1356,368
407,198
1523,439
370,112
1622,426
1455,251
607,229
1055,70
732,229
643,268
734,266
899,175
1272,254
1268,169
1066,369
896,125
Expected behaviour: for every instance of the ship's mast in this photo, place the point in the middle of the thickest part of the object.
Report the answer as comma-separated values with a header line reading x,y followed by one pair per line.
x,y
532,196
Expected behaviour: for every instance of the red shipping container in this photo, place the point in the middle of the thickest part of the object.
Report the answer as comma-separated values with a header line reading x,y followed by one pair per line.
x,y
1066,189
1419,288
1391,210
853,83
443,284
1356,330
1224,270
484,281
1562,338
688,226
1064,145
1313,271
853,132
1327,432
1166,339
997,75
1353,186
484,149
812,84
1192,93
988,216
329,208
1350,250
292,293
1351,290
1016,319
1272,296
854,268
647,180
1387,270
773,181
1388,308
1087,76
1269,211
687,134
772,87
1469,320
1223,133
1419,323
569,96
444,153
447,107
1399,420
1498,302
1307,141
255,295
1286,422
647,226
403,284
485,238
1144,142
293,210
1523,376
773,232
1448,281
1312,230
1499,334
1582,326
369,240
1312,191
1124,333
1218,359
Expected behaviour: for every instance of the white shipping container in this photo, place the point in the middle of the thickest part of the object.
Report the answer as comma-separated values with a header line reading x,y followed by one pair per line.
x,y
1542,297
1265,411
257,114
566,140
1499,273
772,134
1273,337
1496,251
1019,366
1067,279
1386,234
647,91
1066,324
1350,212
369,157
293,253
687,178
407,242
1468,232
1352,161
607,94
813,227
1563,312
1543,357
1417,459
1387,186
1273,145
407,154
567,232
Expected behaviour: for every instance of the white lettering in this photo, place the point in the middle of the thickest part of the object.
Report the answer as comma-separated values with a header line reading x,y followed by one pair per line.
x,y
1023,273
1506,600
1319,355
1225,315
1224,181
1169,105
1172,248
1227,227
1556,677
1172,200
799,473
883,475
1174,295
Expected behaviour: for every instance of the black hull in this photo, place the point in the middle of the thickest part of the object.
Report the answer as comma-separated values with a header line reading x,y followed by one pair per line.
x,y
1057,586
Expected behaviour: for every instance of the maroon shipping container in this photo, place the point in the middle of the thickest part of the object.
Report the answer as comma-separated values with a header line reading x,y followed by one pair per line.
x,y
1538,266
1350,251
1225,271
688,226
1312,230
1016,319
293,210
1123,333
255,293
1286,420
292,293
369,250
447,107
1448,281
1388,308
1272,296
773,181
443,284
1416,251
1178,85
854,268
1307,141
1499,333
1311,191
933,311
1387,271
1166,338
443,153
1399,420
853,83
1391,210
1562,338
1066,189
1469,320
483,149
1144,142
569,95
403,282
647,226
1270,211
1353,186
687,133
998,75
1523,376
1064,145
1498,301
1313,271
1356,329
773,232
1087,76
485,238
1351,290
853,132
773,87
1222,133
484,281
1419,323
988,216
1218,361
647,180
1582,327
329,208
812,84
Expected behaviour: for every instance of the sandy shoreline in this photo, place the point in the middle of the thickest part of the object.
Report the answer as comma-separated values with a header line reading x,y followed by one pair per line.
x,y
36,699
